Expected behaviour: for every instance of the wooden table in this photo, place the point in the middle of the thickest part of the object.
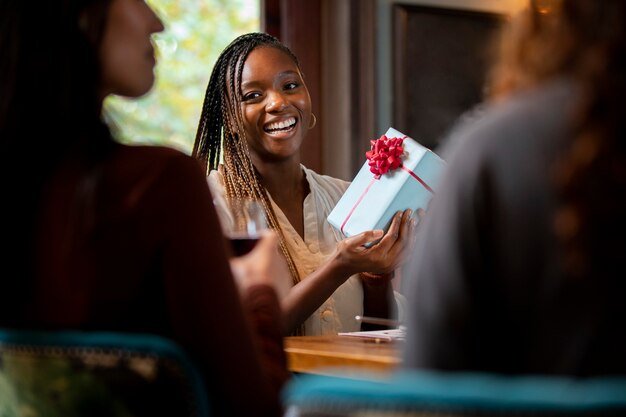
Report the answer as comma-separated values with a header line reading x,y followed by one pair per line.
x,y
334,355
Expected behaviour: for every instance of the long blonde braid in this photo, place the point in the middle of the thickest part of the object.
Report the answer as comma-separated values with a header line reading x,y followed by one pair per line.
x,y
221,128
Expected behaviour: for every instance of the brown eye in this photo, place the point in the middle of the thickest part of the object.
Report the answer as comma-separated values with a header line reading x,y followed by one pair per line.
x,y
251,96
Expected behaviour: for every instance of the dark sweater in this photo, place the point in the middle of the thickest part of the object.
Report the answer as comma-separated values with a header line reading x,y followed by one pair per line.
x,y
486,290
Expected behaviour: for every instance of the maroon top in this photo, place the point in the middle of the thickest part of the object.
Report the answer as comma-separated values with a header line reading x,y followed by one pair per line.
x,y
135,246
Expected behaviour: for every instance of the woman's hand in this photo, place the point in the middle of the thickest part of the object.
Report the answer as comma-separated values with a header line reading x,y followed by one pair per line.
x,y
350,257
263,265
386,255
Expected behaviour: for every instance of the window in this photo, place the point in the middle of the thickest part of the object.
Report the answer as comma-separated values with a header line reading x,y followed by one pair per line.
x,y
195,34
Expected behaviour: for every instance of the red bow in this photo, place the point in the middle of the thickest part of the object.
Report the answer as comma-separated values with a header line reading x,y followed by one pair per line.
x,y
385,155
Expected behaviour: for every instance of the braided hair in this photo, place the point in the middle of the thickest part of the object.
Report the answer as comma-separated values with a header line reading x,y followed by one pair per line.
x,y
586,41
221,128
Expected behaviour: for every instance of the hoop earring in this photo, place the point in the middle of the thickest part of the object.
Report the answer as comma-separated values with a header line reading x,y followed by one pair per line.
x,y
314,122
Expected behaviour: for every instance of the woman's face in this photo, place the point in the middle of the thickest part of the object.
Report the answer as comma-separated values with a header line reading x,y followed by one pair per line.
x,y
276,104
126,53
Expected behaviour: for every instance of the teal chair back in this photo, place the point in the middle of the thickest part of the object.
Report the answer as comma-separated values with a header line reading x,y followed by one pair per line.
x,y
71,374
424,394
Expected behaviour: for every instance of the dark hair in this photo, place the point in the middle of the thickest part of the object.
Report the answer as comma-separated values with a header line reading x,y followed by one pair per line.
x,y
221,127
584,40
50,105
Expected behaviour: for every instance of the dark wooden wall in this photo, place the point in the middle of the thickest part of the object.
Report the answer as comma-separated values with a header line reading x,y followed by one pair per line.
x,y
441,57
297,23
363,84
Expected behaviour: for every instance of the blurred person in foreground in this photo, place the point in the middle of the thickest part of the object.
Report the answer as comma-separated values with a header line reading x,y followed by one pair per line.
x,y
520,261
102,236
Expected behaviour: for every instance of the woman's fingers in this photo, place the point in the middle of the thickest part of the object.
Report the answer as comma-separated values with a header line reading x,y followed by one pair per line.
x,y
397,229
357,242
389,252
393,246
394,229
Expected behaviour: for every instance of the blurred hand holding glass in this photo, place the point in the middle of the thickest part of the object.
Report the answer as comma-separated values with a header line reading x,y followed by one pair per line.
x,y
243,222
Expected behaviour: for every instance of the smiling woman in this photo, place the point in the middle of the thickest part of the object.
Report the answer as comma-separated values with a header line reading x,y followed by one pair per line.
x,y
196,33
276,105
257,114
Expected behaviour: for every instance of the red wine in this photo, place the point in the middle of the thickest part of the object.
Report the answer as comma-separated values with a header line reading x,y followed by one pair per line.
x,y
241,245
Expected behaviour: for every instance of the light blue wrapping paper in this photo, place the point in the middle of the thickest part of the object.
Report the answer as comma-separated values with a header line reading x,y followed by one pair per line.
x,y
362,208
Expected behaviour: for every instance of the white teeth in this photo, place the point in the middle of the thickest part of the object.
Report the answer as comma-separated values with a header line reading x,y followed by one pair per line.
x,y
282,124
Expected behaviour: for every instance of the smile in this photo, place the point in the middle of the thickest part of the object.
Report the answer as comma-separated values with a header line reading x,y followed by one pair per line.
x,y
282,126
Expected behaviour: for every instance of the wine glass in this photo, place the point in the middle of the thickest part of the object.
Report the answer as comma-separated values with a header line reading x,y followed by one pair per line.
x,y
243,222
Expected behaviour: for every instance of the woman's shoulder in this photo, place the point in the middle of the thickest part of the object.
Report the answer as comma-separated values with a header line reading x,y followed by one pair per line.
x,y
151,165
215,180
216,176
156,156
153,153
325,182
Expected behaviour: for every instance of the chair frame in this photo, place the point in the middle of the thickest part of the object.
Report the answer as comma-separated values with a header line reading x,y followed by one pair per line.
x,y
105,346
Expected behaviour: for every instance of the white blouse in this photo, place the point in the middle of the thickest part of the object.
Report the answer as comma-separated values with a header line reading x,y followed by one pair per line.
x,y
337,313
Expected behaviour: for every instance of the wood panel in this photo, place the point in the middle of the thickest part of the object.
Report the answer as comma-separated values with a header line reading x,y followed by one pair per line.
x,y
297,23
363,81
441,57
270,17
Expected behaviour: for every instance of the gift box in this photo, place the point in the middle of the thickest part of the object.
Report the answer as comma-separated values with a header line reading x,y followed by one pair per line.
x,y
399,174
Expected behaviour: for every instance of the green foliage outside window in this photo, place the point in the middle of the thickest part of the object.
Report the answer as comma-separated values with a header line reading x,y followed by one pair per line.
x,y
195,33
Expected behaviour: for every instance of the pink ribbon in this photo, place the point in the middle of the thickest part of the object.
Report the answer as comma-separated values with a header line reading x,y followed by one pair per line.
x,y
385,155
